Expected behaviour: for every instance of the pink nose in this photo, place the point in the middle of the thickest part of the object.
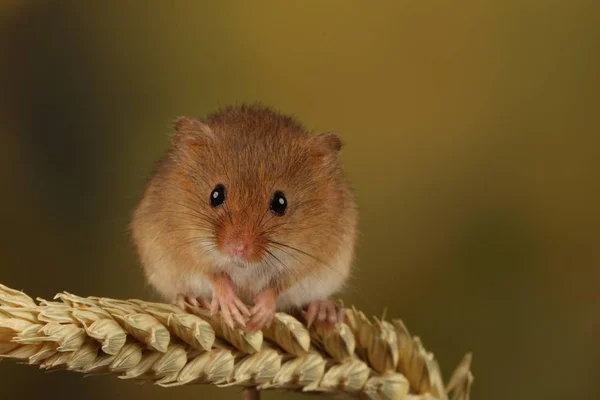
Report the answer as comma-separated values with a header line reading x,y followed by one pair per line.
x,y
239,249
239,242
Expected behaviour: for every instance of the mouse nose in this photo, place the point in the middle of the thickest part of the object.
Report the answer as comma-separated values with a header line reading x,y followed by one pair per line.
x,y
239,243
240,249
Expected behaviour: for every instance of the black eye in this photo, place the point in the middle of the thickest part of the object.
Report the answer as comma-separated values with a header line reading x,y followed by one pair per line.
x,y
278,204
217,196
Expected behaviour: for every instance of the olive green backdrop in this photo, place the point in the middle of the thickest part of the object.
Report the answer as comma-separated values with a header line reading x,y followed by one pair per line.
x,y
472,132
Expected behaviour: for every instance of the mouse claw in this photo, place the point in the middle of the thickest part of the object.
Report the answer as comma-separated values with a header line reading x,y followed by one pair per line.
x,y
232,309
263,311
324,311
262,317
182,301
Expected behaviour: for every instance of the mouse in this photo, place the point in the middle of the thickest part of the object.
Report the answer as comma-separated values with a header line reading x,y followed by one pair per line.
x,y
247,214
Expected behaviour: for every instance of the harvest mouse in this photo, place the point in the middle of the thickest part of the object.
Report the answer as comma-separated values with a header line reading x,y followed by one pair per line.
x,y
247,207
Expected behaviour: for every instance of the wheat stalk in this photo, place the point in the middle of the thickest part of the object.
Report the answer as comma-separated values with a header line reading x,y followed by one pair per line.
x,y
167,346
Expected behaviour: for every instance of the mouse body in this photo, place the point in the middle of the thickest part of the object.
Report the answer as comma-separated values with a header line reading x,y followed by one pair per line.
x,y
248,208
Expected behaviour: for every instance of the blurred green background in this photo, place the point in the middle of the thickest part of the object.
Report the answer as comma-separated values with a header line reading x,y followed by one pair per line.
x,y
472,134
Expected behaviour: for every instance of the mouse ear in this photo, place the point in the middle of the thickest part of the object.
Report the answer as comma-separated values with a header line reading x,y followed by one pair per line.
x,y
189,129
327,142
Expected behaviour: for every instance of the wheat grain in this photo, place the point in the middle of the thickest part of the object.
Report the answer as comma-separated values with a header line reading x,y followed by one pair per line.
x,y
165,345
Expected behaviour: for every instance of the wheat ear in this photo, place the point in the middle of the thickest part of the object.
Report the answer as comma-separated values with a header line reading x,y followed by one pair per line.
x,y
165,345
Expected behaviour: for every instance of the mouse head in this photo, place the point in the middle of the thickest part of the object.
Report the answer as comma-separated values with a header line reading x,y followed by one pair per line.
x,y
260,188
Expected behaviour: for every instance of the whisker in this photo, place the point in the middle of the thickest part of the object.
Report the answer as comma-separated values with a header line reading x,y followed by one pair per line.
x,y
171,231
311,271
200,219
296,249
184,189
198,212
286,268
331,267
174,212
190,241
227,212
261,219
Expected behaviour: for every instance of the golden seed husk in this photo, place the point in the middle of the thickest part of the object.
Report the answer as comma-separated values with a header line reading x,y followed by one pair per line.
x,y
289,333
167,346
390,386
337,341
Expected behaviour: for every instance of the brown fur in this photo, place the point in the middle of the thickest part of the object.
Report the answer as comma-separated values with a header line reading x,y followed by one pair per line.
x,y
253,151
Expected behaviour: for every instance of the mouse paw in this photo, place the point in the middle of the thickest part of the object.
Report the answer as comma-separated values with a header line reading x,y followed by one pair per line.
x,y
232,309
263,310
181,300
324,311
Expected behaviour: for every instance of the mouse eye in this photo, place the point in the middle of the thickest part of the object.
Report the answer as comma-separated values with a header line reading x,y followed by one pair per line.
x,y
217,196
278,204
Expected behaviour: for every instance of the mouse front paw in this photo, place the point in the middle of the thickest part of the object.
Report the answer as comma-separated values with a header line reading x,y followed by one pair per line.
x,y
324,311
182,300
263,311
232,309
